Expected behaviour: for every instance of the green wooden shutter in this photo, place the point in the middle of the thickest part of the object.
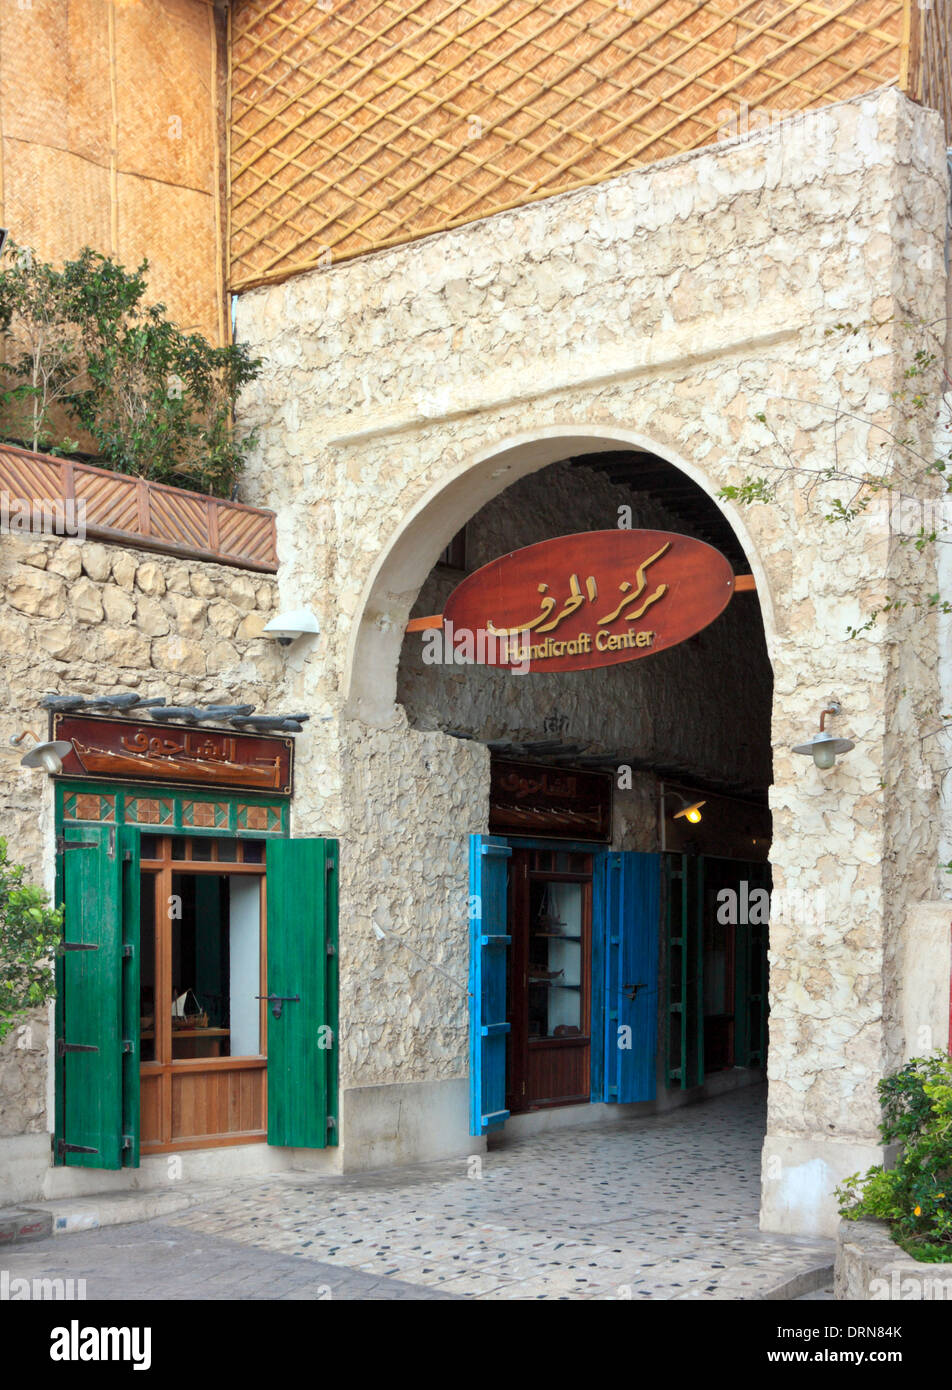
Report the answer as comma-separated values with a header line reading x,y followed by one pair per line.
x,y
129,842
684,918
302,970
97,1050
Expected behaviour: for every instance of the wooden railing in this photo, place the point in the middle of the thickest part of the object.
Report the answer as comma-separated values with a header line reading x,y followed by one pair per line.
x,y
150,516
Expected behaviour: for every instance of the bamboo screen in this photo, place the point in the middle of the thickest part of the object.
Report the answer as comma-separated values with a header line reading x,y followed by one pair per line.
x,y
360,124
930,68
110,137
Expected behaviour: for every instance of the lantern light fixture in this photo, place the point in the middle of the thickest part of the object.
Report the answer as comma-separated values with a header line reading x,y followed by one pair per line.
x,y
824,747
687,810
48,756
287,627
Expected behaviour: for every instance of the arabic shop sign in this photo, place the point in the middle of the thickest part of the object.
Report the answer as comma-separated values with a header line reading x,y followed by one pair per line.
x,y
124,750
588,600
567,804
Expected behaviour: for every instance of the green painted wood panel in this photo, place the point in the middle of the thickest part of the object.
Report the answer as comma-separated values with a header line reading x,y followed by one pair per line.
x,y
171,810
302,961
129,841
684,918
92,1003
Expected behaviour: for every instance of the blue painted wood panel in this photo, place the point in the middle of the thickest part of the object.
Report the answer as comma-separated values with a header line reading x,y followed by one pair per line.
x,y
625,950
489,938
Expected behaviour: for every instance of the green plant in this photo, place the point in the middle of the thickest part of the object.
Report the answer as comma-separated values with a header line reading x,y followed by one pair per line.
x,y
41,362
156,402
914,1196
159,402
29,933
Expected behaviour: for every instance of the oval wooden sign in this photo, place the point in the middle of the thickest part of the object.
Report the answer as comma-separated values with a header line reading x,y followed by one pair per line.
x,y
593,599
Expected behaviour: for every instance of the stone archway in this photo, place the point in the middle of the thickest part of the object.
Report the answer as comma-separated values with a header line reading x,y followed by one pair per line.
x,y
368,682
370,685
683,299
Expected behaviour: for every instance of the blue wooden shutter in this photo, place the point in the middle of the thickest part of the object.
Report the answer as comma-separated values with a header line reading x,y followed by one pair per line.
x,y
97,1042
488,887
625,945
302,968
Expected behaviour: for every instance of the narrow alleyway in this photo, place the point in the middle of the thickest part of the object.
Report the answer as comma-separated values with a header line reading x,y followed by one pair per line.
x,y
664,1208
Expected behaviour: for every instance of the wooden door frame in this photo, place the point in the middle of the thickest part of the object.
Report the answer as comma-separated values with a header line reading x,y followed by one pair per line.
x,y
520,879
165,1067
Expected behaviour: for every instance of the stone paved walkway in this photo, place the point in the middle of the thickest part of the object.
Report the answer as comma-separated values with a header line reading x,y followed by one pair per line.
x,y
664,1208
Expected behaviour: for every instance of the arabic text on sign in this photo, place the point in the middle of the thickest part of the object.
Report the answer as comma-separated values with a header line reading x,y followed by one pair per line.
x,y
544,622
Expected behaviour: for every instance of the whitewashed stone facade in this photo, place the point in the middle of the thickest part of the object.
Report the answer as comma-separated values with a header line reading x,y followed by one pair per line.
x,y
91,618
662,310
406,391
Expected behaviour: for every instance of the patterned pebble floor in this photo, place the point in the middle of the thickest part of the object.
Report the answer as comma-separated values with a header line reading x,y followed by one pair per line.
x,y
657,1208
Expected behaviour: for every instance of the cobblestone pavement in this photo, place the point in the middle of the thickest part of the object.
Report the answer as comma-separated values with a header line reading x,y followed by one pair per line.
x,y
661,1208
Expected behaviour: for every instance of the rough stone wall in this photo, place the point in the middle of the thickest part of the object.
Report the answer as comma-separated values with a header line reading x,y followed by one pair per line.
x,y
403,1019
679,707
668,307
90,618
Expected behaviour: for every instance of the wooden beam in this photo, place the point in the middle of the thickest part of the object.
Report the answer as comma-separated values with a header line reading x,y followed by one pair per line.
x,y
744,584
422,624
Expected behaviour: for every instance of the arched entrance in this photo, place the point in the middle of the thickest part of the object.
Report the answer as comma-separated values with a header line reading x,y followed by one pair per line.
x,y
697,705
369,676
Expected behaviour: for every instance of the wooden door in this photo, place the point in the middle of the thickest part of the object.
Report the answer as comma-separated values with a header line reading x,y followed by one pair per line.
x,y
95,1125
549,988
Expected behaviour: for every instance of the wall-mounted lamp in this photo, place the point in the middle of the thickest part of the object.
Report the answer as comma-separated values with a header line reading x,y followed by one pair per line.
x,y
287,627
687,810
823,747
48,756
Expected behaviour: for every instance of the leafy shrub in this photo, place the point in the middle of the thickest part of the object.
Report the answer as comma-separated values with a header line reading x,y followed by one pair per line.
x,y
29,933
915,1196
157,402
42,361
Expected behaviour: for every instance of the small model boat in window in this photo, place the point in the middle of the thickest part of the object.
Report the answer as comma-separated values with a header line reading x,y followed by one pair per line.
x,y
548,922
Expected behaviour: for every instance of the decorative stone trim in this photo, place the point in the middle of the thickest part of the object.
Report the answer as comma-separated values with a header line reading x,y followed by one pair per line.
x,y
871,1267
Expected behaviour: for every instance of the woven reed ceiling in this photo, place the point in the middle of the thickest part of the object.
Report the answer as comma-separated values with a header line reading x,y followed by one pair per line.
x,y
361,124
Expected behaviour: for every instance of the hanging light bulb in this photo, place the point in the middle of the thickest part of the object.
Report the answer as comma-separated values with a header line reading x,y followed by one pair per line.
x,y
823,747
691,811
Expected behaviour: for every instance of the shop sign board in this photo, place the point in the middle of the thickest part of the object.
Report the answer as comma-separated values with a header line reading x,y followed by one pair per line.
x,y
588,600
125,750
